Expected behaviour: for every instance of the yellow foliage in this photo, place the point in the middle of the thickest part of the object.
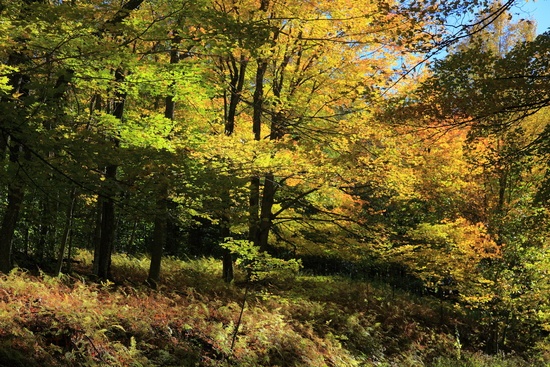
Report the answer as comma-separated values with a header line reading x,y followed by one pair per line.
x,y
455,248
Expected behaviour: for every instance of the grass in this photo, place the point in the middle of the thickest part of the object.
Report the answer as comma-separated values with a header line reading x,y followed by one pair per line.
x,y
191,320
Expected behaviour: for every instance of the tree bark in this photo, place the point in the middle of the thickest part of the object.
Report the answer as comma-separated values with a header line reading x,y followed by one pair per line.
x,y
66,231
15,202
236,88
258,100
108,218
161,217
227,270
107,236
254,210
254,198
268,199
96,236
159,237
107,228
16,189
225,232
261,216
4,140
43,232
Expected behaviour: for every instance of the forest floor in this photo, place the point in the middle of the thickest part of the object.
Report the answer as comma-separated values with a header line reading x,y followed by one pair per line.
x,y
194,319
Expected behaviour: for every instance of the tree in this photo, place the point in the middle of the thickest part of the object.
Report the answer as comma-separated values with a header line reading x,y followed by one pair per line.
x,y
95,65
299,95
29,101
495,100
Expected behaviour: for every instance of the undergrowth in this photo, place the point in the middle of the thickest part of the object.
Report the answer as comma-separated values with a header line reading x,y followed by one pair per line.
x,y
193,320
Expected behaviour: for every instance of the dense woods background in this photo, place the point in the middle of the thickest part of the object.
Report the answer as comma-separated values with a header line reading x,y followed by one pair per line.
x,y
394,146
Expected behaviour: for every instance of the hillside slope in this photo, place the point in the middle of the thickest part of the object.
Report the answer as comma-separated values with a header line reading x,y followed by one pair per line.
x,y
192,320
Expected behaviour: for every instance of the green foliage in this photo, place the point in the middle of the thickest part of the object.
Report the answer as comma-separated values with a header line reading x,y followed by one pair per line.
x,y
259,265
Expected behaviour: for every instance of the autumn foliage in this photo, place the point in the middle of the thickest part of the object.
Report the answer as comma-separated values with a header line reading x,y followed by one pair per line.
x,y
172,169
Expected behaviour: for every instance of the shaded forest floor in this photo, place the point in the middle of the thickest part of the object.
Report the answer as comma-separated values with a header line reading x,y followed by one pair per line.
x,y
191,320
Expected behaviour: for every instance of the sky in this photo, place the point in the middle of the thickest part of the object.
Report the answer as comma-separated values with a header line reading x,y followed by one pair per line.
x,y
537,10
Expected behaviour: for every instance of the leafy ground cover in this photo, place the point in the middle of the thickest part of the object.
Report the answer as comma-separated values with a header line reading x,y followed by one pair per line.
x,y
192,319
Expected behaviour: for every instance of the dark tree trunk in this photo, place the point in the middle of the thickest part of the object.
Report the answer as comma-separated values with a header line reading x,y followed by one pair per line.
x,y
107,227
270,185
96,236
70,251
227,271
258,100
254,210
108,220
500,207
268,198
502,190
15,201
225,232
159,237
261,214
254,199
237,73
43,232
51,239
16,189
4,140
66,231
236,88
161,216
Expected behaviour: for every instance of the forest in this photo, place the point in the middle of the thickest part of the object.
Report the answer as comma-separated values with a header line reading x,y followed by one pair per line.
x,y
274,183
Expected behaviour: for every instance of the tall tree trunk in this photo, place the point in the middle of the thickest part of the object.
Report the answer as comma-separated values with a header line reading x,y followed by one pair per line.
x,y
236,88
96,235
268,199
108,219
225,232
159,237
16,189
66,231
70,251
254,210
108,227
270,185
227,270
4,141
258,100
43,231
51,239
269,190
500,206
237,70
13,137
254,198
107,235
161,216
15,201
